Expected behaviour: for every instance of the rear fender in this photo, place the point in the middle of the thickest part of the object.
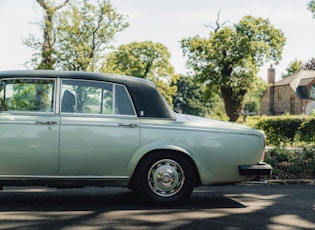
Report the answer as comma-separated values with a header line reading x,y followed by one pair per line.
x,y
144,150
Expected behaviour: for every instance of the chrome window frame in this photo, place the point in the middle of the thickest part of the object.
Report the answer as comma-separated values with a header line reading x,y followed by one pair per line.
x,y
113,114
54,98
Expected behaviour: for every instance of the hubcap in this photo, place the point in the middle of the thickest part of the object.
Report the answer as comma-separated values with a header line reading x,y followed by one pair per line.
x,y
166,178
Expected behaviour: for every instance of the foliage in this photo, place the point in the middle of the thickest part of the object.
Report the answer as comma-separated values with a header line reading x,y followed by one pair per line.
x,y
292,163
311,7
190,97
294,67
81,33
217,110
310,65
145,60
47,60
280,129
254,94
295,130
229,59
307,130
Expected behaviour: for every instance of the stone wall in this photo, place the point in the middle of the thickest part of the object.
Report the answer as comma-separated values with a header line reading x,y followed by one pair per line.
x,y
285,101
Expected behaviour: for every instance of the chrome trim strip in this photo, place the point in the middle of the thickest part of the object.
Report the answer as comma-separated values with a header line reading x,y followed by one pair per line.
x,y
91,115
63,177
57,96
19,122
195,129
89,124
50,123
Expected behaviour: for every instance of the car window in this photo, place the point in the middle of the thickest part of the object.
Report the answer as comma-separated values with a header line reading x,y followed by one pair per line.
x,y
27,95
92,97
123,104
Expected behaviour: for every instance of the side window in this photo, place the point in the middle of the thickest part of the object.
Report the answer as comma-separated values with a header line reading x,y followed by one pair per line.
x,y
86,97
27,95
123,104
92,97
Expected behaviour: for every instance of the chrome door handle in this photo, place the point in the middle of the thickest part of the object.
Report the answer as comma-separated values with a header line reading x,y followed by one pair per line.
x,y
46,122
128,125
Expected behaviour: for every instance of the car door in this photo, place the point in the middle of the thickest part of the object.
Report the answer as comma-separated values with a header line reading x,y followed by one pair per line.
x,y
29,128
99,129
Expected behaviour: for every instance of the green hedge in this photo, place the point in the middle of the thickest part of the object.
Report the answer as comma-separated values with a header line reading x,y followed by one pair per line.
x,y
284,129
292,163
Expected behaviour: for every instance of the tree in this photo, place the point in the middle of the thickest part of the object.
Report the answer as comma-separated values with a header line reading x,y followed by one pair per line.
x,y
45,59
81,34
254,94
228,61
294,67
190,97
310,65
85,32
311,7
145,60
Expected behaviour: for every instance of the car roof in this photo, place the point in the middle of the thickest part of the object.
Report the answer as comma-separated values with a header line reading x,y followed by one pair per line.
x,y
115,78
147,100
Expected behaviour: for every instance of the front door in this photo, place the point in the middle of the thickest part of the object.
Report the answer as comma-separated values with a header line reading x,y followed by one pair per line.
x,y
29,128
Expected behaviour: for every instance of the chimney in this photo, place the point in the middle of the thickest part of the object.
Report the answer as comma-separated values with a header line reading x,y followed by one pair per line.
x,y
272,80
271,75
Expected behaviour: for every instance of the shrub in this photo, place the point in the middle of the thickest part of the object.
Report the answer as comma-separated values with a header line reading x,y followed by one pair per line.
x,y
285,129
292,163
307,130
280,129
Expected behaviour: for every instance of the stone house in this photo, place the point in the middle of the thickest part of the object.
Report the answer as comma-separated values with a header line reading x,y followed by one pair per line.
x,y
294,94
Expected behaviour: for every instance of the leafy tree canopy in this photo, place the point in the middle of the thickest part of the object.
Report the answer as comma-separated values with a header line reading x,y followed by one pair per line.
x,y
145,60
229,59
190,97
80,33
294,67
310,65
311,7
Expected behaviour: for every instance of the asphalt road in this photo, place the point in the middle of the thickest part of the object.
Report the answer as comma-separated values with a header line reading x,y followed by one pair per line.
x,y
223,207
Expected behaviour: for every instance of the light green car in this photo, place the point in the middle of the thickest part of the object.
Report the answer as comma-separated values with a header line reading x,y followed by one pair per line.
x,y
63,129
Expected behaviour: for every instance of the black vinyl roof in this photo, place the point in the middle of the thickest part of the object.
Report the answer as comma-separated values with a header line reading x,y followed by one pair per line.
x,y
147,100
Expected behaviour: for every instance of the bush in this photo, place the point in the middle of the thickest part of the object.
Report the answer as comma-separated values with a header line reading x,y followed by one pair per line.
x,y
292,163
307,130
280,129
285,129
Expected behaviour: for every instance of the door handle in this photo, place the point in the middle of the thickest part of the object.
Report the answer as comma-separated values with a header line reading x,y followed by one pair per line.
x,y
46,122
128,125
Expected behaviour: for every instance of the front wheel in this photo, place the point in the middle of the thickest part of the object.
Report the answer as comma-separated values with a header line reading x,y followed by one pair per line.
x,y
165,177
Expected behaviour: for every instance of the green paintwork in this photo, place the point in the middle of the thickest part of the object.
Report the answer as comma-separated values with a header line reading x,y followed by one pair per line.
x,y
93,146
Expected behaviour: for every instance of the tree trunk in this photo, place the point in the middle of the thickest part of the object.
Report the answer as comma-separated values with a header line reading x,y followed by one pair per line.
x,y
233,102
47,46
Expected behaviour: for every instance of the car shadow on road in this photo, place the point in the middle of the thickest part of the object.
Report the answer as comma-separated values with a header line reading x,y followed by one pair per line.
x,y
98,199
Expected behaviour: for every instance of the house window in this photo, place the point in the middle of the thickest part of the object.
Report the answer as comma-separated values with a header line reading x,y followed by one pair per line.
x,y
279,95
292,104
312,92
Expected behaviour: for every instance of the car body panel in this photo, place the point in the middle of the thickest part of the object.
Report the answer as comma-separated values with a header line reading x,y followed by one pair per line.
x,y
29,146
211,149
97,145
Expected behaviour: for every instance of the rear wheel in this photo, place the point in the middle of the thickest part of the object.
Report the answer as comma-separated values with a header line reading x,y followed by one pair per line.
x,y
165,177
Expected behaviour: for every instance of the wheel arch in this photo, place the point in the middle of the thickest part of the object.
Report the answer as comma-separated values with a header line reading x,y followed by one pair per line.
x,y
183,153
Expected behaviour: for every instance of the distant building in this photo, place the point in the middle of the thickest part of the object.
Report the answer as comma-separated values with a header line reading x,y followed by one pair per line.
x,y
294,94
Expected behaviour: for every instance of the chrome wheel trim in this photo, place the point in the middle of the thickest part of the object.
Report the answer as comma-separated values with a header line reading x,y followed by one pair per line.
x,y
166,178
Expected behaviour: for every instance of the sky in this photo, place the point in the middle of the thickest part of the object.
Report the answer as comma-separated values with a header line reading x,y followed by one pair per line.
x,y
168,22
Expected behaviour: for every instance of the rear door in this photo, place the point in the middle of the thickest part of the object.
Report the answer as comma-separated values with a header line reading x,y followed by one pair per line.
x,y
29,127
99,129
